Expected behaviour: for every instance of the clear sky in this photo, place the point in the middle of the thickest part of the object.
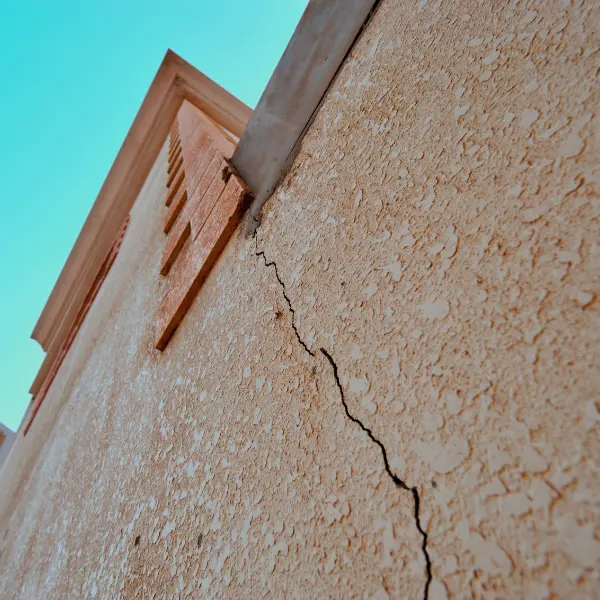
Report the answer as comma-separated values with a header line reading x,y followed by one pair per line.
x,y
73,76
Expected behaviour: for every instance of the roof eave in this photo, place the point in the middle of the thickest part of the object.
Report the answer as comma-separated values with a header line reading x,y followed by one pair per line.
x,y
175,81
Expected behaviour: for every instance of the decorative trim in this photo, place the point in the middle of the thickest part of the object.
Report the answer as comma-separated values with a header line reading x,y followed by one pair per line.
x,y
269,141
175,81
83,311
205,199
325,35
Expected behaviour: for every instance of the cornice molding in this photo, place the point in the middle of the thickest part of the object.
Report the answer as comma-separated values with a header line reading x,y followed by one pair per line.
x,y
175,81
268,140
321,43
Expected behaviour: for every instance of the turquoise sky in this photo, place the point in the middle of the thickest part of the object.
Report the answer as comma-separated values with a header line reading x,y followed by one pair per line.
x,y
73,76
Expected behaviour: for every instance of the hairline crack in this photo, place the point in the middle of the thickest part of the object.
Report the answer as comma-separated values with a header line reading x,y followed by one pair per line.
x,y
289,303
397,481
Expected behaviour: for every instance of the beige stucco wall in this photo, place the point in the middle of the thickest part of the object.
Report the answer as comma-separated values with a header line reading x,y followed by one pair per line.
x,y
449,258
439,238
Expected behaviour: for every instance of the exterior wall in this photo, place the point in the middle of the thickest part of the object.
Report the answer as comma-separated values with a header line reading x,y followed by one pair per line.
x,y
409,345
216,455
6,440
448,257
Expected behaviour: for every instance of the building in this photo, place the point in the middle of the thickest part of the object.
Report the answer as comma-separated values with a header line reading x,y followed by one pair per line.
x,y
6,439
346,345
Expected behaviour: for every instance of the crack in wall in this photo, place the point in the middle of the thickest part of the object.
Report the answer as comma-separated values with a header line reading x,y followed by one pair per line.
x,y
397,481
272,264
395,478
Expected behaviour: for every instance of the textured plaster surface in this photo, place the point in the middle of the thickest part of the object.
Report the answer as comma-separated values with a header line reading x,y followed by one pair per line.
x,y
224,467
439,235
402,366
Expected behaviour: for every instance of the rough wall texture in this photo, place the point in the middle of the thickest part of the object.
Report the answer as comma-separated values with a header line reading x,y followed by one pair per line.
x,y
223,467
409,345
449,260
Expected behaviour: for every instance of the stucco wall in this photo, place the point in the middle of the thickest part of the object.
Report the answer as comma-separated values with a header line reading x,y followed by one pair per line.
x,y
233,433
438,237
448,257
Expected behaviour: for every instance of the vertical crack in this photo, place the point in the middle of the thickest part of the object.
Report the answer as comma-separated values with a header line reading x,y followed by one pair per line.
x,y
397,481
401,484
289,303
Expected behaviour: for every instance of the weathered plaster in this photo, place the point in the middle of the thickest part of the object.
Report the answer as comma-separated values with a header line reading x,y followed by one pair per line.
x,y
234,433
437,237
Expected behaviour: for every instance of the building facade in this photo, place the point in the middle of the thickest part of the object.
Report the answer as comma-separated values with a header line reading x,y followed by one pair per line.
x,y
375,375
6,440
